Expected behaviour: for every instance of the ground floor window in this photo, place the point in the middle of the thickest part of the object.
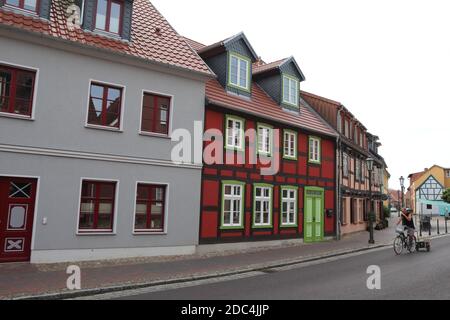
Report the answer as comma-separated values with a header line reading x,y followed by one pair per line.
x,y
262,208
232,205
97,206
288,206
344,212
150,208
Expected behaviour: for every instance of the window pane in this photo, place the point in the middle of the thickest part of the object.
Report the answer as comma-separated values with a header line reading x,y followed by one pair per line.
x,y
114,20
13,2
234,70
30,5
104,221
113,94
19,190
141,218
97,91
100,19
285,89
107,191
243,73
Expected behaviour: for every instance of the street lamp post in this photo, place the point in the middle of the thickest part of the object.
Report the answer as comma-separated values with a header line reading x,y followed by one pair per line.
x,y
402,184
370,169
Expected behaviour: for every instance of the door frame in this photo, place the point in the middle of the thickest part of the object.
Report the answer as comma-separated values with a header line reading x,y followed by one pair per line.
x,y
36,202
314,238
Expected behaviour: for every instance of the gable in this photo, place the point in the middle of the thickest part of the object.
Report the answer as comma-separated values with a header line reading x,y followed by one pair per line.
x,y
431,189
291,69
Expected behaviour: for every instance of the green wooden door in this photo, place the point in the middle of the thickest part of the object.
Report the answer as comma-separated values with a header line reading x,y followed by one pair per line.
x,y
314,214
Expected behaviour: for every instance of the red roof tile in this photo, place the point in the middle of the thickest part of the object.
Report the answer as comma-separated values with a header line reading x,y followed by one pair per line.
x,y
194,44
259,67
262,105
166,47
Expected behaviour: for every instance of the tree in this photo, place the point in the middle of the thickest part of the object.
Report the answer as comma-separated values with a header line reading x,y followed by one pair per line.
x,y
446,196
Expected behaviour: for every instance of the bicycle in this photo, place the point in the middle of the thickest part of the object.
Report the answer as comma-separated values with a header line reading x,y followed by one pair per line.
x,y
403,241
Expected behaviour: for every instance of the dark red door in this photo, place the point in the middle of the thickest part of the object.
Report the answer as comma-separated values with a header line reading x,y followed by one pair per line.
x,y
17,200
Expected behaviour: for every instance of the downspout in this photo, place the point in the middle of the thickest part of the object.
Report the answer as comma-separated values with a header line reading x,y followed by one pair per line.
x,y
338,182
338,189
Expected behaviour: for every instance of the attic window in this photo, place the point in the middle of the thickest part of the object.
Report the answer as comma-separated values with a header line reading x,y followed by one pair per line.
x,y
29,5
109,16
239,72
290,90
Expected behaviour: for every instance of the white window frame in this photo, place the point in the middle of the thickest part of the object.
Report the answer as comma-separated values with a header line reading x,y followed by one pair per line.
x,y
262,198
267,150
313,152
240,60
98,232
235,133
232,197
122,107
289,200
288,152
291,81
165,213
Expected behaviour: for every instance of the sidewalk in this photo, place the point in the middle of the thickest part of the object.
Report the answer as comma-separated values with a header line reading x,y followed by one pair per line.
x,y
18,280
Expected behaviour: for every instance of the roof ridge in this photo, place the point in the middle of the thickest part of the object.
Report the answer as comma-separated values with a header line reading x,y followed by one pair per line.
x,y
313,95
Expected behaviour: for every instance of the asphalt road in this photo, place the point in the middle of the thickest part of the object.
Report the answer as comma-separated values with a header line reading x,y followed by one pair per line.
x,y
409,276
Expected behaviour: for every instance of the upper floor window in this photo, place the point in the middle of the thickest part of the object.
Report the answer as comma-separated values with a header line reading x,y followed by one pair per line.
x,y
234,133
109,15
105,104
358,170
290,145
30,5
361,140
345,159
290,90
314,150
448,173
346,129
16,90
239,72
155,114
264,139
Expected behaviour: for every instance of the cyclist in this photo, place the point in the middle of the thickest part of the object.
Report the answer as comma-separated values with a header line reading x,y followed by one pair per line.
x,y
407,221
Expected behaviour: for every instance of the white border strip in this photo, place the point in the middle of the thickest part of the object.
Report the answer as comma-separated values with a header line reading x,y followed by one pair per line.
x,y
95,156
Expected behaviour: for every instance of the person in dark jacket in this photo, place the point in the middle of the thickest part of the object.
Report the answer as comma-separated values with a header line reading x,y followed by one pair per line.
x,y
407,221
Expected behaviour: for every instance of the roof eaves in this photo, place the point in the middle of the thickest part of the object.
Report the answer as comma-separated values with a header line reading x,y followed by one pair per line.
x,y
116,53
235,108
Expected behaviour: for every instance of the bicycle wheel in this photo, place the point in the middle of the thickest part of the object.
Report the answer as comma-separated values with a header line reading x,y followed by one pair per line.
x,y
398,245
411,244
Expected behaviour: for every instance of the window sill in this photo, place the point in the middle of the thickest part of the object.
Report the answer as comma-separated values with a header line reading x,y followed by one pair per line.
x,y
290,158
288,226
268,226
149,233
232,228
234,149
155,135
108,34
91,126
16,116
95,233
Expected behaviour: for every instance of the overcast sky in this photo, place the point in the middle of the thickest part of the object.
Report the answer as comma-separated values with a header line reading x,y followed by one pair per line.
x,y
387,61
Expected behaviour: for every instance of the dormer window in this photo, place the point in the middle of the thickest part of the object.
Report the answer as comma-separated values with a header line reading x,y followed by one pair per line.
x,y
290,90
29,5
239,72
109,16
